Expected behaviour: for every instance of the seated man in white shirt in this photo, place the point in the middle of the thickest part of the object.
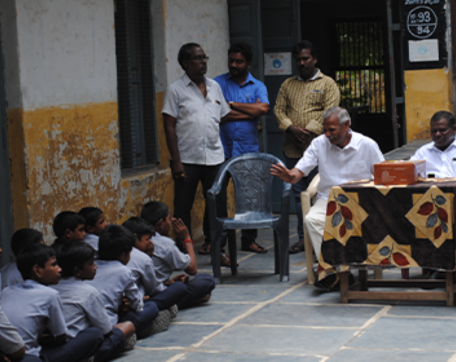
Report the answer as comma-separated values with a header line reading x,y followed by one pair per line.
x,y
341,156
439,154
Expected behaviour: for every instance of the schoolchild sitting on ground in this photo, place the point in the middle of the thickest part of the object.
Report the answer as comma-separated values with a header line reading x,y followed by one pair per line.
x,y
142,266
95,223
82,304
114,281
12,347
36,311
168,258
21,238
68,226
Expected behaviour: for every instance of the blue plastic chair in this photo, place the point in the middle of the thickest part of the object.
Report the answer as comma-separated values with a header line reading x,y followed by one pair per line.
x,y
253,186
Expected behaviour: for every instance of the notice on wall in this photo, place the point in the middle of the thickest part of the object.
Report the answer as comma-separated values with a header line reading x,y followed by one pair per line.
x,y
424,50
277,63
424,33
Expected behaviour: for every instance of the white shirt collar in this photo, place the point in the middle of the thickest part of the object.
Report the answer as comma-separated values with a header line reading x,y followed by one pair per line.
x,y
313,78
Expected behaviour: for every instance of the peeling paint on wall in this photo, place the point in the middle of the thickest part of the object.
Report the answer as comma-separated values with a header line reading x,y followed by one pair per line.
x,y
427,91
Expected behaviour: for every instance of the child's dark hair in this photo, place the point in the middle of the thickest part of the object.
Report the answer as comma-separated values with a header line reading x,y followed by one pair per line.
x,y
24,237
115,240
66,220
74,254
139,227
31,255
91,215
154,211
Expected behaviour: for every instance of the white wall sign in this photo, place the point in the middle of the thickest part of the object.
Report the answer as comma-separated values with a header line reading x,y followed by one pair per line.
x,y
277,63
424,50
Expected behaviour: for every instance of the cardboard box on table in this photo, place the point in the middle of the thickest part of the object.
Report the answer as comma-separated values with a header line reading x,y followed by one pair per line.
x,y
399,172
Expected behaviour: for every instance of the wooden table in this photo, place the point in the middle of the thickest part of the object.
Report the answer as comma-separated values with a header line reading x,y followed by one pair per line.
x,y
370,226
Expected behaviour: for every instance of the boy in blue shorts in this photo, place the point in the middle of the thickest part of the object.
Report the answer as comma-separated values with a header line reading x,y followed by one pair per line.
x,y
41,310
68,226
82,304
142,266
21,238
95,223
114,281
168,258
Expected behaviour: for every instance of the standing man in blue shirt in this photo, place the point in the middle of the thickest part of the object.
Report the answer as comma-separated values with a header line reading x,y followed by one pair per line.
x,y
246,96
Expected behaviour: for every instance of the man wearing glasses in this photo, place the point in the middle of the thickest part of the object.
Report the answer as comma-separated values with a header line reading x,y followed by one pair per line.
x,y
194,107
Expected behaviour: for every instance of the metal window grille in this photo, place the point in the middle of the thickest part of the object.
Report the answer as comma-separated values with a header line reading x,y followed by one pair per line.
x,y
360,68
138,145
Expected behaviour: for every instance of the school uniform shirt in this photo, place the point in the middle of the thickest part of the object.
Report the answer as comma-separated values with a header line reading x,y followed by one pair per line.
x,y
143,270
167,257
10,275
31,307
438,162
339,165
92,240
10,340
82,307
113,281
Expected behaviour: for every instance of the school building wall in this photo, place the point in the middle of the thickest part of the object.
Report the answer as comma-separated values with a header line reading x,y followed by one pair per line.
x,y
61,89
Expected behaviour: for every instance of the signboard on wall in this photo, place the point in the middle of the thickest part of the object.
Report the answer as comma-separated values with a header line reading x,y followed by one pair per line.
x,y
277,63
424,34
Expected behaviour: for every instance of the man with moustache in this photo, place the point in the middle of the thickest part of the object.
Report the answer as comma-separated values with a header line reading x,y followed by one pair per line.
x,y
440,153
247,97
193,109
299,109
341,155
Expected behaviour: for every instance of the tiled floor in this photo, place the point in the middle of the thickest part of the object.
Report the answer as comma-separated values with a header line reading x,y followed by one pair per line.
x,y
254,317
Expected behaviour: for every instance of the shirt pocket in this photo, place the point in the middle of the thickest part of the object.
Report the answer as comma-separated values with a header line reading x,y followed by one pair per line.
x,y
316,99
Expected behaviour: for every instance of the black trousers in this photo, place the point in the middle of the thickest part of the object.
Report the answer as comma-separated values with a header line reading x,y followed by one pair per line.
x,y
184,194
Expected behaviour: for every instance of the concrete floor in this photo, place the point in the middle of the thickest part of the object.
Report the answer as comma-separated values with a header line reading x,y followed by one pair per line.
x,y
254,317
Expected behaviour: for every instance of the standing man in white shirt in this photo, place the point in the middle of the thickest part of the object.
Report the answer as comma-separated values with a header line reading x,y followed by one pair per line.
x,y
193,109
440,153
341,156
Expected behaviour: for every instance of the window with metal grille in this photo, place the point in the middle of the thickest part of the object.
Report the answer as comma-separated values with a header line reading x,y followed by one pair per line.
x,y
360,65
135,88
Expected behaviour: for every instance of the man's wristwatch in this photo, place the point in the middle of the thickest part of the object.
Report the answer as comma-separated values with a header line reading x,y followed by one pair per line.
x,y
231,104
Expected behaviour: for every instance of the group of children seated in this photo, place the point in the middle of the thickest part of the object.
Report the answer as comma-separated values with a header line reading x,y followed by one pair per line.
x,y
98,288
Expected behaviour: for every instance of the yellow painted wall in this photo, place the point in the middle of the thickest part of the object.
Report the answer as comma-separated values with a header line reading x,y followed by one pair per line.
x,y
426,92
66,158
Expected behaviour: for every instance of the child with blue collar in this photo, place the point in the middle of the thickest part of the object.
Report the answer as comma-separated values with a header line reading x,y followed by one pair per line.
x,y
95,222
21,239
82,304
116,283
142,266
68,226
41,310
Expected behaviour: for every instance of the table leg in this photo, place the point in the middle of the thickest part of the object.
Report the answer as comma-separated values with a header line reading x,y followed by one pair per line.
x,y
450,288
405,273
363,280
344,281
378,274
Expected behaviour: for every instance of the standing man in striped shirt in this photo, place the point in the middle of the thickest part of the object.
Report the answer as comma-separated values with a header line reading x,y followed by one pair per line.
x,y
299,109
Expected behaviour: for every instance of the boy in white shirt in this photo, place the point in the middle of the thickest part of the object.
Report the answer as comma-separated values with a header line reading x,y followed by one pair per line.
x,y
95,222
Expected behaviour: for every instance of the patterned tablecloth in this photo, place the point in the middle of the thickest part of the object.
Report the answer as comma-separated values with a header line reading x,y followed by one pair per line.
x,y
402,226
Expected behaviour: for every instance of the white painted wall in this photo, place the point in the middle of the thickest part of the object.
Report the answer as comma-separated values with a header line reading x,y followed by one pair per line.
x,y
66,52
201,21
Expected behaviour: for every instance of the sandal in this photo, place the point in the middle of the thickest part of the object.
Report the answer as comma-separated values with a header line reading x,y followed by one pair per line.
x,y
297,247
205,249
225,260
255,248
